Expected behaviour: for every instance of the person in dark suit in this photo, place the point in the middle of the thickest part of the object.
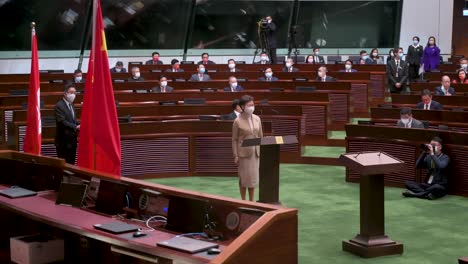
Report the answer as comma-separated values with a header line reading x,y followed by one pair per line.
x,y
162,87
118,68
444,89
322,75
397,73
365,58
175,66
348,67
464,64
78,76
271,38
288,66
136,76
407,120
268,76
67,126
155,59
315,58
236,110
232,66
263,59
205,59
415,53
427,103
233,86
436,163
200,76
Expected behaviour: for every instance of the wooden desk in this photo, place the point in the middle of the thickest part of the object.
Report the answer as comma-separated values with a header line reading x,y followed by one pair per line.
x,y
254,240
403,144
417,88
449,102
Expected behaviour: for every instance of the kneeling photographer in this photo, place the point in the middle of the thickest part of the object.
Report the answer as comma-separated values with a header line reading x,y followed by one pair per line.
x,y
436,163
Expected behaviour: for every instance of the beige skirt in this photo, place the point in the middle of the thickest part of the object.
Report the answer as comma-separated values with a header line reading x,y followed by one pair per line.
x,y
248,169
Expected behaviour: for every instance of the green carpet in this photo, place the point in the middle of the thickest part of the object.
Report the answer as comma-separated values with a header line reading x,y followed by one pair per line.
x,y
433,232
337,134
324,152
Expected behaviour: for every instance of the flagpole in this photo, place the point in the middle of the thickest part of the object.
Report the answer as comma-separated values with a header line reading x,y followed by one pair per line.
x,y
95,5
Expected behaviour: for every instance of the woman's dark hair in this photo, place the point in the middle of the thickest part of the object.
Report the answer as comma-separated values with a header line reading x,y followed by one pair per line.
x,y
307,58
458,72
416,37
431,37
372,52
350,61
245,99
234,104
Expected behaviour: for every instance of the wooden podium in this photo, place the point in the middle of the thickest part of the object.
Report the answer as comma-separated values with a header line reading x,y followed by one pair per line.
x,y
372,241
269,165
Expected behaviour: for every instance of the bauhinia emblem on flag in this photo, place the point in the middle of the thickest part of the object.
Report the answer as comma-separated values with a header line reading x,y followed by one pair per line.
x,y
33,138
99,138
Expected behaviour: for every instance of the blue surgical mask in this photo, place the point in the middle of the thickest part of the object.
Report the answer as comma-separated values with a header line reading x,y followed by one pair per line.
x,y
415,42
268,74
317,53
365,57
202,70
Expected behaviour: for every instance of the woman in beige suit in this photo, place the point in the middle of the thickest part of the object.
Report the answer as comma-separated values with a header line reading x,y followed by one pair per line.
x,y
247,126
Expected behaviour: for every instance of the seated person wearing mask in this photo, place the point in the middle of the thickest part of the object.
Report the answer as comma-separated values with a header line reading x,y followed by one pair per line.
x,y
268,76
427,103
464,64
136,76
155,59
78,76
445,89
205,59
236,110
175,66
162,87
407,120
232,66
348,67
118,68
233,86
315,58
365,58
263,59
436,163
322,75
200,76
461,77
288,66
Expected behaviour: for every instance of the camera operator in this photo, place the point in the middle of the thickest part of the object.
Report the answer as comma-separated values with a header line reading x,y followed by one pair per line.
x,y
435,162
270,28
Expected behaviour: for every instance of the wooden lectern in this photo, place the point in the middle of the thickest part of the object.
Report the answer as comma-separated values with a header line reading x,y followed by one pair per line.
x,y
372,241
269,165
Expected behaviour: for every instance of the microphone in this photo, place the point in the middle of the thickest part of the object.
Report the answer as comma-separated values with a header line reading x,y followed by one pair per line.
x,y
380,152
358,154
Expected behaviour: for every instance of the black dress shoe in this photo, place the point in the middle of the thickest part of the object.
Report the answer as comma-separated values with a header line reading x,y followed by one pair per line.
x,y
430,196
408,193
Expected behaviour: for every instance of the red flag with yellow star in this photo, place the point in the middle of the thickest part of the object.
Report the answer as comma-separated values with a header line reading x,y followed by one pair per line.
x,y
99,136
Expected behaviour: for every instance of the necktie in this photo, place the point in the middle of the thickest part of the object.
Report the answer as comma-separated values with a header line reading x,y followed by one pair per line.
x,y
426,107
71,110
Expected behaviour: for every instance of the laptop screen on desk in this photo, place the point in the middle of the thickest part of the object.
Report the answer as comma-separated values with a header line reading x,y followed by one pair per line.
x,y
112,197
186,215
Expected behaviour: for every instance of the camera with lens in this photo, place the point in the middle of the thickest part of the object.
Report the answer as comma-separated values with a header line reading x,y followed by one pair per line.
x,y
263,24
426,147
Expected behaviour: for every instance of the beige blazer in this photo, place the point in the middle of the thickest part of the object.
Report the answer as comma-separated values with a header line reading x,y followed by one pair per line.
x,y
240,131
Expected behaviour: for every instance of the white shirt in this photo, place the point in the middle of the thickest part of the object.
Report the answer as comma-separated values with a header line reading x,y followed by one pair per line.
x,y
427,106
237,113
409,124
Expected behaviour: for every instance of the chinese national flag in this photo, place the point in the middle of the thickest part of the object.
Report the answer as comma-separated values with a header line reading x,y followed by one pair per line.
x,y
32,140
99,136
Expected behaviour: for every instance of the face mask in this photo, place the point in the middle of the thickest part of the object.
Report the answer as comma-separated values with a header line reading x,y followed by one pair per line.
x,y
401,54
415,42
78,79
71,97
264,58
310,60
164,83
316,53
268,74
231,65
288,65
249,109
118,69
202,70
375,54
137,75
464,65
234,85
365,57
405,121
348,66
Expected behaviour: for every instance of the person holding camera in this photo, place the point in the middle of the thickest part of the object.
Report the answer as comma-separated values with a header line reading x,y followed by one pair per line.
x,y
271,38
436,163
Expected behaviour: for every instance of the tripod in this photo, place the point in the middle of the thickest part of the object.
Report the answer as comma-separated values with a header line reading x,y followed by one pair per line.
x,y
262,41
292,45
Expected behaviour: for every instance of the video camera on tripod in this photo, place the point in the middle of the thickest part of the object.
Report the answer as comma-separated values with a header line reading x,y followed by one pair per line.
x,y
263,24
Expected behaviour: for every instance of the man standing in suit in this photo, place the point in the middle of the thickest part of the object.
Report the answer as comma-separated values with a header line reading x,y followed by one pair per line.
x,y
445,89
232,66
271,38
67,126
407,120
118,68
162,87
78,76
268,76
136,76
205,59
263,58
397,73
233,86
427,103
322,75
175,66
436,164
288,67
348,67
200,76
316,58
155,59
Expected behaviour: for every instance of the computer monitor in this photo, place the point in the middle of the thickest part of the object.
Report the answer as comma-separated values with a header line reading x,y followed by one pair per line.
x,y
111,197
186,215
